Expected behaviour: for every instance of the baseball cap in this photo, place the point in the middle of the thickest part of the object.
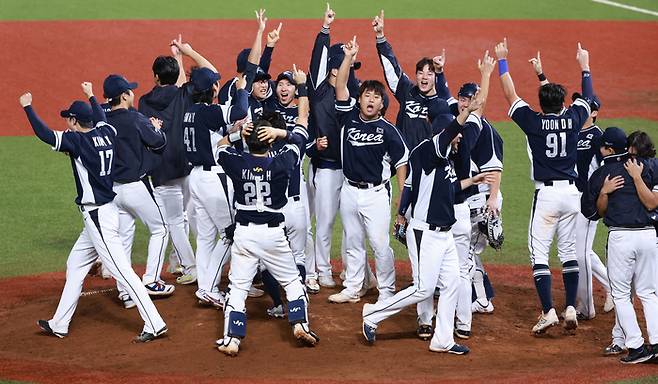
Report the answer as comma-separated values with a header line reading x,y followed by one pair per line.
x,y
241,61
115,85
261,75
614,138
203,79
468,90
336,56
287,75
594,103
80,110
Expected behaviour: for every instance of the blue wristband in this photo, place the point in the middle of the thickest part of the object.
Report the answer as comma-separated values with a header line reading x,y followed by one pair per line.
x,y
502,67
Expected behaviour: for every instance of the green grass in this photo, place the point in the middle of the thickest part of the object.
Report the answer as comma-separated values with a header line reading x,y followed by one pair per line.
x,y
213,9
40,221
643,380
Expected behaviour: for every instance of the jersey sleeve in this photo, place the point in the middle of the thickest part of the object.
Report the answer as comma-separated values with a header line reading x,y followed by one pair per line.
x,y
97,110
442,90
229,159
588,199
397,80
397,150
580,110
522,114
266,59
443,139
344,109
470,134
319,59
488,153
239,107
152,138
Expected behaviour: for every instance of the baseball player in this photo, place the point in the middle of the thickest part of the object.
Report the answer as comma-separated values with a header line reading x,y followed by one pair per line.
x,y
137,142
430,189
168,101
552,137
624,199
261,182
92,152
370,147
589,158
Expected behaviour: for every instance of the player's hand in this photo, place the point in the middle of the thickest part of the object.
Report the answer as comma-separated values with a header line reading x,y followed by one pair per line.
x,y
87,89
298,75
476,103
25,99
351,48
536,63
484,178
242,82
273,36
492,205
246,129
270,134
634,168
583,58
439,61
486,64
329,16
157,123
175,51
321,143
378,24
501,49
184,48
261,19
611,185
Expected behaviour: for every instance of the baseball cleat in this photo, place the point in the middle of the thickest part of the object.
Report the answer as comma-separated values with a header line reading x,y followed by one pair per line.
x,y
186,279
609,303
327,282
424,332
306,336
277,312
456,349
613,350
340,298
159,288
230,349
216,300
546,321
105,273
312,285
462,334
637,355
175,269
145,337
45,327
255,292
570,318
369,332
479,307
128,303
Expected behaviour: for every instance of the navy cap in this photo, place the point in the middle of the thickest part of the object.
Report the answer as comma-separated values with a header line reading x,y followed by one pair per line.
x,y
286,75
80,110
594,103
115,85
241,61
615,138
261,75
468,90
336,56
203,79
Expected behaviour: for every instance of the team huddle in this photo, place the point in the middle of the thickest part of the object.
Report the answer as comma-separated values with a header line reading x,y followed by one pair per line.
x,y
227,165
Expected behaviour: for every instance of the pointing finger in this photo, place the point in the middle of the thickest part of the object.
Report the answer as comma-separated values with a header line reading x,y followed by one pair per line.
x,y
328,7
279,29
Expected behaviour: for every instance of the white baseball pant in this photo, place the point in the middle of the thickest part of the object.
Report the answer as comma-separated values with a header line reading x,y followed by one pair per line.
x,y
632,263
461,232
100,238
434,263
136,200
367,212
327,195
479,241
212,198
296,228
589,265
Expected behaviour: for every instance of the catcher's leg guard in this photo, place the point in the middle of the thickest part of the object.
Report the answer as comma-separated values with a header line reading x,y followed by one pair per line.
x,y
237,326
297,311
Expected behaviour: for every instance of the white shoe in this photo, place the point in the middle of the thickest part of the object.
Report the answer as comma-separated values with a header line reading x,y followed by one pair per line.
x,y
546,320
570,318
159,288
340,298
479,307
609,303
128,303
230,348
277,312
186,279
216,300
306,336
255,292
327,282
312,285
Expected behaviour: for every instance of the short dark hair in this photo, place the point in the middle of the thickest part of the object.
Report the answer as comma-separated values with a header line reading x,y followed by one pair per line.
x,y
420,65
85,124
254,144
372,85
642,143
167,68
551,97
113,102
206,96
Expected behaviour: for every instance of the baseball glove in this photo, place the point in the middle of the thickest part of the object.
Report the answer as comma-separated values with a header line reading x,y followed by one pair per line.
x,y
494,225
400,233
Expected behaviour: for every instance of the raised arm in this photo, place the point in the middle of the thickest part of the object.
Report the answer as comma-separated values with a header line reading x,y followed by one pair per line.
x,y
536,65
256,48
505,77
319,56
98,113
240,102
398,82
440,82
303,109
42,131
272,38
582,56
350,49
178,55
186,50
444,138
486,66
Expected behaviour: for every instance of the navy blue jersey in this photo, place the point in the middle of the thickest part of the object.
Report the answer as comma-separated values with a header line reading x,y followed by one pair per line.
x,y
487,155
261,182
462,157
432,180
199,121
289,114
589,155
624,206
417,111
169,103
227,91
135,144
369,148
322,99
92,157
552,138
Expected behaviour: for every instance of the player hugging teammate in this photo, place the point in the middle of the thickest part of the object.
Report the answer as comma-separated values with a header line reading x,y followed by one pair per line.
x,y
227,163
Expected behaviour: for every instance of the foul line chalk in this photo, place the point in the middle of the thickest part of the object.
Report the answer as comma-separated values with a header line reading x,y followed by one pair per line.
x,y
98,292
625,6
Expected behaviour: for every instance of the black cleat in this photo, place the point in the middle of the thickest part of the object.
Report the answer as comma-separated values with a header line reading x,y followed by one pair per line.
x,y
637,355
424,332
43,324
145,337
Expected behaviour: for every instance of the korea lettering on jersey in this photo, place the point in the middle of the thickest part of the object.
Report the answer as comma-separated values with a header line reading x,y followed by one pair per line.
x,y
589,156
552,138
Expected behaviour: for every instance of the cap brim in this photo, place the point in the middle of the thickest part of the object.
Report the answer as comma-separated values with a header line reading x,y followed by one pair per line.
x,y
132,85
65,113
